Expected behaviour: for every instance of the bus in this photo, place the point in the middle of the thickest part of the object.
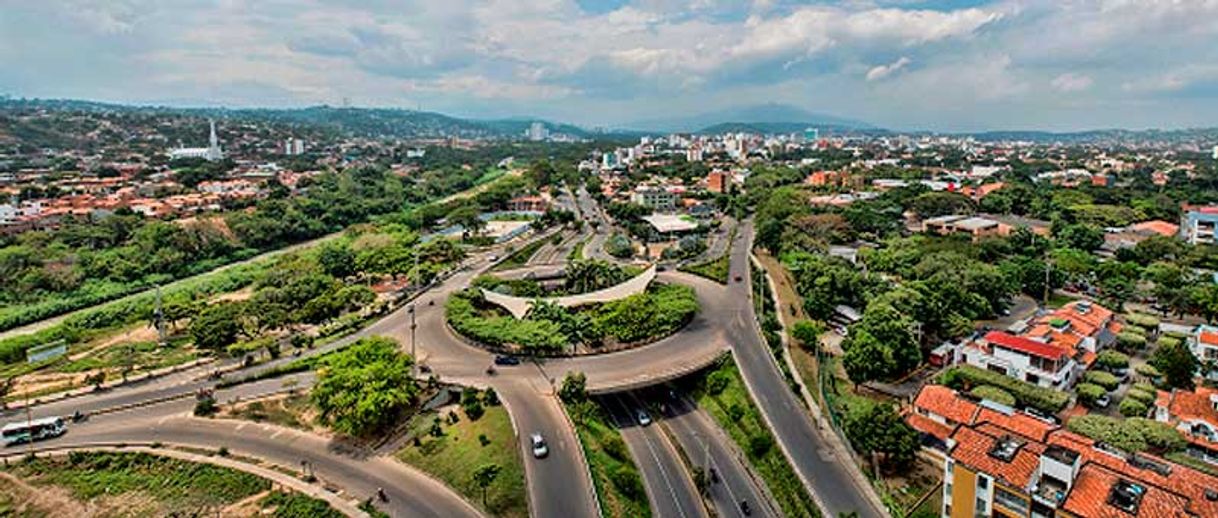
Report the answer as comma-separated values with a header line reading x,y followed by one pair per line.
x,y
36,430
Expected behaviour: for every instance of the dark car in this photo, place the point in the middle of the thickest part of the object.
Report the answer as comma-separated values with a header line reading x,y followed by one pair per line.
x,y
503,359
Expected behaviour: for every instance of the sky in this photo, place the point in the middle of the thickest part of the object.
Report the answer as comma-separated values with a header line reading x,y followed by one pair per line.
x,y
945,65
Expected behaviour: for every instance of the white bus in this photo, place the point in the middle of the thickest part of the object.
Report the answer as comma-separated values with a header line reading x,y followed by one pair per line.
x,y
36,430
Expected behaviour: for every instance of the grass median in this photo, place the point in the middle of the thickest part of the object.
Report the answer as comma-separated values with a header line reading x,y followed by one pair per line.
x,y
461,448
619,486
723,394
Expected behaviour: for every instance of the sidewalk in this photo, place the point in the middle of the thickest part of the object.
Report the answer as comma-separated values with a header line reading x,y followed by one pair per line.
x,y
68,394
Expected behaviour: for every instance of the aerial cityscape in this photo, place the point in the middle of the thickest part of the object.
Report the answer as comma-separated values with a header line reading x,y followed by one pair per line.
x,y
618,258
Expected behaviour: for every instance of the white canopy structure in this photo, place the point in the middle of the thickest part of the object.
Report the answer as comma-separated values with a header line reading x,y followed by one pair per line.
x,y
519,306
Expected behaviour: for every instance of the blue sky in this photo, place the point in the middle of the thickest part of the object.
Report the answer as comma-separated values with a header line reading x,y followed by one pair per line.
x,y
906,64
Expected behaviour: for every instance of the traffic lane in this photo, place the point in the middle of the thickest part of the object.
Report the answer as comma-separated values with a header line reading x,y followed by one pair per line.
x,y
809,453
559,484
410,492
670,489
709,447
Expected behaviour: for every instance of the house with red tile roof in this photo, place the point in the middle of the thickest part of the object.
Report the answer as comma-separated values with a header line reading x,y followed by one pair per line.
x,y
1195,414
1204,345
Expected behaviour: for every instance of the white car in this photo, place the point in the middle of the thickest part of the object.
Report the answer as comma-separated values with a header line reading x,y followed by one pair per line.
x,y
1103,401
540,449
642,417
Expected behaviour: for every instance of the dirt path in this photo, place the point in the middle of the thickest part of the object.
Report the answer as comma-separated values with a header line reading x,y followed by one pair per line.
x,y
46,500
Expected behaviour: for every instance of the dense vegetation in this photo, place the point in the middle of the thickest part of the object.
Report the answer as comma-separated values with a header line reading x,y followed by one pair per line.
x,y
619,486
86,262
661,310
1026,394
364,389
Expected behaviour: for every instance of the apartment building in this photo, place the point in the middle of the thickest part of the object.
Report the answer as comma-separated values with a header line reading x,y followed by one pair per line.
x,y
1197,224
1006,463
655,198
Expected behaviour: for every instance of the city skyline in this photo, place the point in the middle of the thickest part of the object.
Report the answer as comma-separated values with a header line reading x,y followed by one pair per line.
x,y
940,65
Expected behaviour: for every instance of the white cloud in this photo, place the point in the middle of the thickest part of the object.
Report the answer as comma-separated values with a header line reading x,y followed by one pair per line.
x,y
881,71
1071,82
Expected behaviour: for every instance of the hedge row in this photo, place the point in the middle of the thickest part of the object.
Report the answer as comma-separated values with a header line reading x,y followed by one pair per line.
x,y
1133,435
1025,394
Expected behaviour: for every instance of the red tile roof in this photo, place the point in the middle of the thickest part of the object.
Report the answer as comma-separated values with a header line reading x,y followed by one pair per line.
x,y
946,403
1025,345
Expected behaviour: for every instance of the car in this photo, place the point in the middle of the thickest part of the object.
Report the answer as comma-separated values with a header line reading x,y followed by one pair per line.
x,y
493,257
642,417
1036,413
1103,401
503,359
738,278
540,450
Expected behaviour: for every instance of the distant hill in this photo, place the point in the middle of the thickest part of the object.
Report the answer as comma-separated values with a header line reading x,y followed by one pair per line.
x,y
762,118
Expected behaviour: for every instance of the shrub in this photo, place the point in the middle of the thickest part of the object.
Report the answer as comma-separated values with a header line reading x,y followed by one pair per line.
x,y
1146,398
628,482
1144,387
1169,341
994,394
473,410
1112,360
1103,379
1026,394
759,445
1128,341
1135,330
1133,435
205,406
1131,407
1088,394
1148,370
1142,320
616,447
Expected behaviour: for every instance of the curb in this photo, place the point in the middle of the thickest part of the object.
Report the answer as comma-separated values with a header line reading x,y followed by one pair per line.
x,y
583,457
345,507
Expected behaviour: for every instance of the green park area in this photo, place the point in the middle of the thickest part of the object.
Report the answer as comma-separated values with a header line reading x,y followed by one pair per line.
x,y
143,484
716,269
547,328
474,450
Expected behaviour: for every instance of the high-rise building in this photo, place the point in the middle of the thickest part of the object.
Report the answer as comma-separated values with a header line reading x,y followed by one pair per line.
x,y
811,134
1215,153
293,146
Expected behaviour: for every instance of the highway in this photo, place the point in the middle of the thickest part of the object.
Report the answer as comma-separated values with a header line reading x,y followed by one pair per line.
x,y
709,447
825,473
670,487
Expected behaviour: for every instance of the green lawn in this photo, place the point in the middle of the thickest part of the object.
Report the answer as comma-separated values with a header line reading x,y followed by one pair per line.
x,y
619,486
296,505
735,412
142,483
455,455
715,270
577,253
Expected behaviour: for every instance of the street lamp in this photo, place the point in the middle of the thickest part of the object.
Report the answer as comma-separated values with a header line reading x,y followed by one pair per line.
x,y
414,365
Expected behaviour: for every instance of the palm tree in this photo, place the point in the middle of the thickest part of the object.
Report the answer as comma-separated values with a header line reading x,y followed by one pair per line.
x,y
484,476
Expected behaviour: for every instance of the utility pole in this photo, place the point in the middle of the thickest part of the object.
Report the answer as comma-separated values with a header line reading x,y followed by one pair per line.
x,y
414,365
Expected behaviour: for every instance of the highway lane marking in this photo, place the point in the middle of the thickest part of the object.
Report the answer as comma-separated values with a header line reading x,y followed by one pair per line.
x,y
672,493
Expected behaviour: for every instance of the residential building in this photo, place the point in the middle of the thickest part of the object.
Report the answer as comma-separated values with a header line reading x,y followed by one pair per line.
x,y
1050,350
1025,359
538,131
717,181
655,198
1204,345
1195,414
1197,224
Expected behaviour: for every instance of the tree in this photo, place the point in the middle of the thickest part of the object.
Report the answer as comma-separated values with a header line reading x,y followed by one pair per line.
x,y
468,217
1080,236
574,388
877,427
807,333
484,476
363,389
866,359
337,260
1177,364
217,326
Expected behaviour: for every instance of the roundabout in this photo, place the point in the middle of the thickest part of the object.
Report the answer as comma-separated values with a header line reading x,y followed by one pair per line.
x,y
523,316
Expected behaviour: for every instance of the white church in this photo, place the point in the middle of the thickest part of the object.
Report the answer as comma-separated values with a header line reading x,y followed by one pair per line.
x,y
210,153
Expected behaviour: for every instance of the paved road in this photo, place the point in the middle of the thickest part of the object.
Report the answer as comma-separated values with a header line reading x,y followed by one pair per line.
x,y
815,462
559,484
708,446
670,487
411,493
